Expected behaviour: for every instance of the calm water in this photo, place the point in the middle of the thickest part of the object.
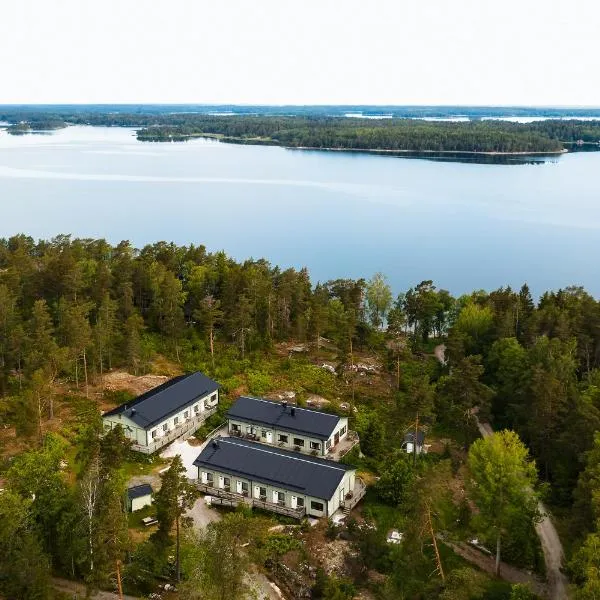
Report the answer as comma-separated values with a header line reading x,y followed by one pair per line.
x,y
466,226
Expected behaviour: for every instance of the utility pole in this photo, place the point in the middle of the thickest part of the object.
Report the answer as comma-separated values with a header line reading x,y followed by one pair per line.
x,y
435,546
415,441
352,368
120,587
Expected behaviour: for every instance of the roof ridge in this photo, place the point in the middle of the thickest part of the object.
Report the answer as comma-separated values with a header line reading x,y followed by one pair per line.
x,y
296,406
288,454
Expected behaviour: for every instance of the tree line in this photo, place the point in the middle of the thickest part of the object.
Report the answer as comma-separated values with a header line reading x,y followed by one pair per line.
x,y
317,130
74,308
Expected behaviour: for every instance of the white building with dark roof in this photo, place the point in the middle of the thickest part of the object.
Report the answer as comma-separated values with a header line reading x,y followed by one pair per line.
x,y
168,412
286,426
139,496
236,470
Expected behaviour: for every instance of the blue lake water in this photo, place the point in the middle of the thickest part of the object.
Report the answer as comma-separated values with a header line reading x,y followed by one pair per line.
x,y
466,226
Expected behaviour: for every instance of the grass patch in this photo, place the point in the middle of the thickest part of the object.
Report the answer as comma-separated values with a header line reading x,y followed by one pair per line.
x,y
137,464
134,519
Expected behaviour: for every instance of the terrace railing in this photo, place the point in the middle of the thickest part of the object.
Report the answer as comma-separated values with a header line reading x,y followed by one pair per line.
x,y
360,489
186,427
227,498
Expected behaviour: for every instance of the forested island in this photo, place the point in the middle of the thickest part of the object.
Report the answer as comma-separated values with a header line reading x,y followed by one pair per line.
x,y
37,125
404,133
85,325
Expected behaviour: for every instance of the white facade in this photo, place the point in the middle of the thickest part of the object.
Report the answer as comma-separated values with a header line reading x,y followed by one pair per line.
x,y
287,439
315,507
139,503
153,434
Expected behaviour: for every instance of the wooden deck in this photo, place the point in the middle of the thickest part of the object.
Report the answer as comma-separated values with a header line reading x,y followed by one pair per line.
x,y
360,489
227,498
185,430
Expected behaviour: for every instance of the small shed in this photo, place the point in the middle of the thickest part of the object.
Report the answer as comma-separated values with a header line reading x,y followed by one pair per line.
x,y
409,441
139,496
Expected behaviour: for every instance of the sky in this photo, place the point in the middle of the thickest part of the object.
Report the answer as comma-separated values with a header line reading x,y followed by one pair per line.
x,y
475,52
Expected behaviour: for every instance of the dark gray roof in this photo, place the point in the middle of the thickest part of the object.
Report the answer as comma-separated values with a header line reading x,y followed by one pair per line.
x,y
169,398
264,412
410,436
316,477
137,491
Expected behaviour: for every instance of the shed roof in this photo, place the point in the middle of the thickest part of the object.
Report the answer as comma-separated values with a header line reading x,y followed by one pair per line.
x,y
169,398
292,471
410,436
311,423
138,491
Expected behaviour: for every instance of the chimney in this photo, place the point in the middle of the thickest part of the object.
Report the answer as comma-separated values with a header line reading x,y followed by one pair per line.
x,y
284,404
293,411
215,444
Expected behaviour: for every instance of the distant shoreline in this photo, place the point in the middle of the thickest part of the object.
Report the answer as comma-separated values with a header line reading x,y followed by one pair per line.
x,y
390,151
386,151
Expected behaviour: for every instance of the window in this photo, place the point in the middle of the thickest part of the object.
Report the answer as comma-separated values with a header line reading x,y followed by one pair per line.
x,y
197,408
300,502
209,477
235,427
262,492
213,398
263,433
315,445
153,434
283,438
318,506
186,414
249,429
226,482
165,427
328,444
298,442
175,420
280,498
343,430
245,486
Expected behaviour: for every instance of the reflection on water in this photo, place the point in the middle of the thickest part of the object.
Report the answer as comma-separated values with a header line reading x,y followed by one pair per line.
x,y
467,222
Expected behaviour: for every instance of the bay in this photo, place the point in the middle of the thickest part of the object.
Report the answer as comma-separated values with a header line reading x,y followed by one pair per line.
x,y
465,225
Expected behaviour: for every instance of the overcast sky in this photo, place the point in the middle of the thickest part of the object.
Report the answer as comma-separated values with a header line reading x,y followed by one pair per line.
x,y
542,52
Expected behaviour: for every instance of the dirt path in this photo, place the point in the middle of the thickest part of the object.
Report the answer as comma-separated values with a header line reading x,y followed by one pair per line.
x,y
507,572
77,590
551,544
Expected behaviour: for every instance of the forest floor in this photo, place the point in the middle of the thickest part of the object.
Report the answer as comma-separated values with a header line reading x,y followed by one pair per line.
x,y
558,584
77,591
507,572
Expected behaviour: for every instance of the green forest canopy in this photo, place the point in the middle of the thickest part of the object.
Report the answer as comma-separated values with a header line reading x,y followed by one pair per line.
x,y
73,308
322,130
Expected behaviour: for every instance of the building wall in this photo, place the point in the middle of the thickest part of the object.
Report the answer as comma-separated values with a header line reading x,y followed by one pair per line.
x,y
262,432
341,429
138,503
329,505
410,448
143,437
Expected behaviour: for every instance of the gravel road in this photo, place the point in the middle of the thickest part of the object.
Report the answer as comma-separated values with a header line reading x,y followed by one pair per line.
x,y
551,545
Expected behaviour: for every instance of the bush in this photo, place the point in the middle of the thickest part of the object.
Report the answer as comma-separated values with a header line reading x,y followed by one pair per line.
x,y
279,544
259,382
